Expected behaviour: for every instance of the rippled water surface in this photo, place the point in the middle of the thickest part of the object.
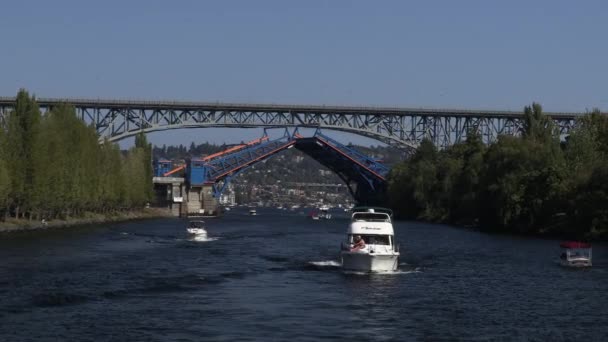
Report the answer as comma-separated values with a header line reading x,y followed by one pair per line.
x,y
276,276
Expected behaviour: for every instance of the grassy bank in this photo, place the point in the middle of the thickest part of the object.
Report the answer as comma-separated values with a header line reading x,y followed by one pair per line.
x,y
13,225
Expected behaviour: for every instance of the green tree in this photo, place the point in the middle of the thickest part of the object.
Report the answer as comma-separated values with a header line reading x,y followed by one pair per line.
x,y
142,143
22,130
537,126
586,154
464,204
412,183
5,186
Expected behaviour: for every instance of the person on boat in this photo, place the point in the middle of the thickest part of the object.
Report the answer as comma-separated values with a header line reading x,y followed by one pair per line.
x,y
358,244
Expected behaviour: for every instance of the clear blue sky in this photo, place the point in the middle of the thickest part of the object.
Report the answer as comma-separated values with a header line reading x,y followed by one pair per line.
x,y
465,54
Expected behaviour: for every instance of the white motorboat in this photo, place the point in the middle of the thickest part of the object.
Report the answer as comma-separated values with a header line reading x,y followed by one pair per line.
x,y
253,212
196,228
324,212
370,245
575,254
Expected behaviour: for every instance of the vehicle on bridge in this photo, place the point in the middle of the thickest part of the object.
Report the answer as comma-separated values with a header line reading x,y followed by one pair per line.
x,y
370,245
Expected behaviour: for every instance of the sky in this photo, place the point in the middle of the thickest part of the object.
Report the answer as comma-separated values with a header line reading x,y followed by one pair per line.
x,y
435,54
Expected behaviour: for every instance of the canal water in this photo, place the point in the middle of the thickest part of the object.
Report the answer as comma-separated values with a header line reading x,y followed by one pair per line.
x,y
276,277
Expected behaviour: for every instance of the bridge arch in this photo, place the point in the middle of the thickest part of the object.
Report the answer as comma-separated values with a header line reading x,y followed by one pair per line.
x,y
392,141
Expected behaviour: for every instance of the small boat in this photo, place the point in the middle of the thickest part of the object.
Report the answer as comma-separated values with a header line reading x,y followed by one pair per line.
x,y
196,228
575,254
253,212
324,213
370,245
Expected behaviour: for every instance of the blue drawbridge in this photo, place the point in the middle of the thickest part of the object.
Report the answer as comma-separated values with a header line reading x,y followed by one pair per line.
x,y
219,171
364,176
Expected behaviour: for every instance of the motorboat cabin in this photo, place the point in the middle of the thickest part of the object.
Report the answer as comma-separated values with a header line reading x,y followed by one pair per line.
x,y
370,244
575,254
197,228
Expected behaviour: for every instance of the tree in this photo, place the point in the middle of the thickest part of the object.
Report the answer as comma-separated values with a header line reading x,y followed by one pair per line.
x,y
586,154
536,125
466,188
22,130
5,186
141,142
412,183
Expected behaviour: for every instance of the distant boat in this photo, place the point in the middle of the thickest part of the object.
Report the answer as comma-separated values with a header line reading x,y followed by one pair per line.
x,y
324,212
575,254
253,212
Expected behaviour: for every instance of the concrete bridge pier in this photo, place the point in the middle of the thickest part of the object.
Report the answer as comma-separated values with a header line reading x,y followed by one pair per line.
x,y
169,193
199,200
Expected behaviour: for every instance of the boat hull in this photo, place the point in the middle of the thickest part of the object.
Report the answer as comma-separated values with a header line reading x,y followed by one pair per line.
x,y
576,263
365,262
197,231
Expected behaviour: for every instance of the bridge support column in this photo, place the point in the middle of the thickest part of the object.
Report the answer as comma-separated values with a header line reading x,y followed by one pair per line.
x,y
169,193
210,203
199,200
177,191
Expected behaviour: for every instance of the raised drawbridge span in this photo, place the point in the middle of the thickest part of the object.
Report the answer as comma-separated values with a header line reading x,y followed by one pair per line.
x,y
399,127
363,175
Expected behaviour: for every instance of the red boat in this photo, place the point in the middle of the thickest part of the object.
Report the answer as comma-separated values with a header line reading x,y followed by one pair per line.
x,y
575,254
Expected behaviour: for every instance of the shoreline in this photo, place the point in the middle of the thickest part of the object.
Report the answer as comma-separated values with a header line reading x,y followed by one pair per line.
x,y
22,225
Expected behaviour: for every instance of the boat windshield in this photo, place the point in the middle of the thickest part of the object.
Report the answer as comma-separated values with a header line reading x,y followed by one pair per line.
x,y
371,217
578,252
372,239
196,224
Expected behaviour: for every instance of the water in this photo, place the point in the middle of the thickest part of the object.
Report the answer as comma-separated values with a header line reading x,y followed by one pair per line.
x,y
276,276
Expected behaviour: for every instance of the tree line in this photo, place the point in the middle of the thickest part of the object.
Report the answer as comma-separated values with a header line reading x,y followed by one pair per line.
x,y
53,166
536,183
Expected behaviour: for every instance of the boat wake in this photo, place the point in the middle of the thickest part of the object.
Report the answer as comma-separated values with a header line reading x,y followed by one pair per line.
x,y
328,263
203,238
382,272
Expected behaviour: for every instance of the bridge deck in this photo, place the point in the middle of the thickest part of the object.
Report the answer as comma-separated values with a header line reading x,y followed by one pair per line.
x,y
242,107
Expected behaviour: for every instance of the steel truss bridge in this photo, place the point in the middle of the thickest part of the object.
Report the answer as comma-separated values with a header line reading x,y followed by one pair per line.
x,y
399,127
